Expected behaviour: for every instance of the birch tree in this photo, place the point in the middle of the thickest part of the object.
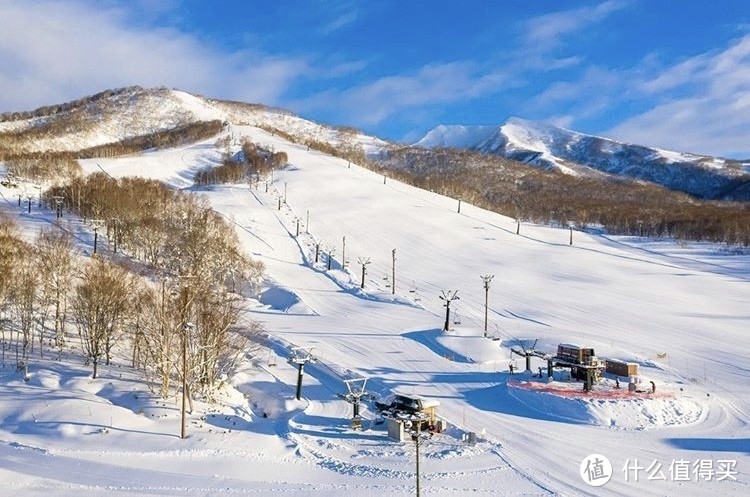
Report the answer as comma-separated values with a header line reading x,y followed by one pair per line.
x,y
100,306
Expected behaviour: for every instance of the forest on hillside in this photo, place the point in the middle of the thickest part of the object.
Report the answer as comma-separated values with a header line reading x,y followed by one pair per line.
x,y
527,193
166,287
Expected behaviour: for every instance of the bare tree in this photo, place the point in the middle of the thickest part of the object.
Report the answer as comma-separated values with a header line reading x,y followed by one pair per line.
x,y
55,252
25,286
12,250
100,305
160,338
212,345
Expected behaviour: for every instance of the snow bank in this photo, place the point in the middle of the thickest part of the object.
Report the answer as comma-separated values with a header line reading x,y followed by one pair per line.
x,y
620,410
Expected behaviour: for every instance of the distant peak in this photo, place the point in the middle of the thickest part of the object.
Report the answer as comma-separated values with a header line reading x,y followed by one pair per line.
x,y
538,125
456,135
518,120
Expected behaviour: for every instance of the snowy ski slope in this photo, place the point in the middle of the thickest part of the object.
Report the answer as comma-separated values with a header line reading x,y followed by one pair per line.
x,y
680,312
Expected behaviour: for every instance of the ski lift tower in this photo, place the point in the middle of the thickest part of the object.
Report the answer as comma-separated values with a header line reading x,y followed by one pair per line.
x,y
58,205
300,357
447,297
528,350
356,389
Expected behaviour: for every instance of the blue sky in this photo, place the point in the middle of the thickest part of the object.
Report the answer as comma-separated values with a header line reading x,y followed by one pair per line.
x,y
668,73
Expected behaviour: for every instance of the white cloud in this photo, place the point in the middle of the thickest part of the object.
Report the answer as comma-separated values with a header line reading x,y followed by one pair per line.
x,y
341,21
373,102
562,121
546,31
543,38
709,116
51,51
593,93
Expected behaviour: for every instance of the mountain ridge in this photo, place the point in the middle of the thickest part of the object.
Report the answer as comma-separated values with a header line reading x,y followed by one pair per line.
x,y
551,147
122,114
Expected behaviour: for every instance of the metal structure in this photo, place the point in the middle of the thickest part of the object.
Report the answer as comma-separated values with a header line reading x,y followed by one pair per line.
x,y
300,356
418,437
448,297
96,224
356,389
331,251
363,261
58,205
527,349
582,361
393,272
487,278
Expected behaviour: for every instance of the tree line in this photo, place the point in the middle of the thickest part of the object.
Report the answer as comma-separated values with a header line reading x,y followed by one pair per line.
x,y
174,286
50,110
527,193
251,162
12,144
36,169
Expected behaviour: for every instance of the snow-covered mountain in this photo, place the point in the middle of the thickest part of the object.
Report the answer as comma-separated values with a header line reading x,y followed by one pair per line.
x,y
115,115
676,310
666,307
575,153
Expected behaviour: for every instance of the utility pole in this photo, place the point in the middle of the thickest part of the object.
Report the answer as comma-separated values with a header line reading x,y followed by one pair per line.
x,y
414,429
393,273
300,357
487,278
448,297
459,207
415,436
363,261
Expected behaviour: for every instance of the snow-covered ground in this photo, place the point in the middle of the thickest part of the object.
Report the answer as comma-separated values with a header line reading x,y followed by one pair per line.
x,y
679,311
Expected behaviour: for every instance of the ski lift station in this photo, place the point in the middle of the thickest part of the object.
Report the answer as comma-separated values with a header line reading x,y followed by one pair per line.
x,y
581,362
419,411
